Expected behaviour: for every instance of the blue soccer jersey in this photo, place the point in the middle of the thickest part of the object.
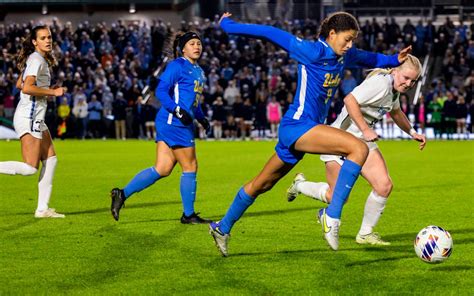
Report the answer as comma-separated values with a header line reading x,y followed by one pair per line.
x,y
181,84
320,70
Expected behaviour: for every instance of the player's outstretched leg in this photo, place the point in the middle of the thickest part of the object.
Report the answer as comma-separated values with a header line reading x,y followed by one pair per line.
x,y
142,180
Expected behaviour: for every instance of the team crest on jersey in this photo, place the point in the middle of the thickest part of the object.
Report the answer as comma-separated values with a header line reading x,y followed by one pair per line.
x,y
382,111
331,80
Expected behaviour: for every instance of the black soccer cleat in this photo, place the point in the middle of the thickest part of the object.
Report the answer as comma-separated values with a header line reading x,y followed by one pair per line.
x,y
194,219
118,201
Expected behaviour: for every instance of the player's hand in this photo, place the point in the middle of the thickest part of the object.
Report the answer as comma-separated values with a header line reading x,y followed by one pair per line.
x,y
226,14
183,116
205,124
403,55
370,135
59,91
421,139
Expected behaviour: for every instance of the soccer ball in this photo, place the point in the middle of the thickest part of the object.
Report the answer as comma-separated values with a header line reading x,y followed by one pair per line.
x,y
433,244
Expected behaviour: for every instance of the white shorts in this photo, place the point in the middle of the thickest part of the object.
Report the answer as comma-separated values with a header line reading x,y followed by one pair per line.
x,y
149,123
29,118
340,159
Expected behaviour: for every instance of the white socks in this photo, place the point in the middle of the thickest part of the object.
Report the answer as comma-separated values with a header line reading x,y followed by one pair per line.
x,y
372,212
45,184
17,168
313,189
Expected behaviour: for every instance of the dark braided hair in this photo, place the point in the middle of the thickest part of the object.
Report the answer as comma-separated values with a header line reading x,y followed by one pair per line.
x,y
339,22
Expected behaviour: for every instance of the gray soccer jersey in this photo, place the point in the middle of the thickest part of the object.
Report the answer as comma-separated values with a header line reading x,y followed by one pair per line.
x,y
375,97
31,110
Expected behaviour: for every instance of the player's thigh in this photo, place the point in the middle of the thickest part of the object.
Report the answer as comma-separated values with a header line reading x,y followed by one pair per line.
x,y
271,173
31,150
375,171
186,157
324,139
47,147
165,159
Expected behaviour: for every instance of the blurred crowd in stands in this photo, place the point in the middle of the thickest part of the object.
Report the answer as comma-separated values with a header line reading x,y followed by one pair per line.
x,y
250,83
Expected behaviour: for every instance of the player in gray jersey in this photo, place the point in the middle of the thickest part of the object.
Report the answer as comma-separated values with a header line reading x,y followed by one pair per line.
x,y
34,61
364,107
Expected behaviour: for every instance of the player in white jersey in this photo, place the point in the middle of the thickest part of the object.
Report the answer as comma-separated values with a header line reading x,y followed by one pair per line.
x,y
364,107
34,61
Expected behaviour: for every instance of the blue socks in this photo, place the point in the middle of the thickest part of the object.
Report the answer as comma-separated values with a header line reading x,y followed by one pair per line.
x,y
240,204
141,181
347,177
187,188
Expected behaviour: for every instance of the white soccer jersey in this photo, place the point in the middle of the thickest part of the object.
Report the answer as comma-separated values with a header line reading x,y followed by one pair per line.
x,y
31,110
375,97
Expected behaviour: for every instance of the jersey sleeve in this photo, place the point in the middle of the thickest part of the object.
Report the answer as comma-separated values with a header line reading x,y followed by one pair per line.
x,y
33,66
167,81
272,34
361,58
371,90
305,52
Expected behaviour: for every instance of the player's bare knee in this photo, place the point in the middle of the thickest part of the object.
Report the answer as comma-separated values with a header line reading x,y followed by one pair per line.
x,y
360,151
190,166
164,171
384,188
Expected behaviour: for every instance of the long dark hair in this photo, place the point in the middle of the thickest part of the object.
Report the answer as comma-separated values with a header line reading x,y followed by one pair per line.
x,y
28,48
339,22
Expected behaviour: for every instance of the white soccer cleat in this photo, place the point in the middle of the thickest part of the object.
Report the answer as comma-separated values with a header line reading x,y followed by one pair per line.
x,y
371,239
292,192
330,228
221,239
48,213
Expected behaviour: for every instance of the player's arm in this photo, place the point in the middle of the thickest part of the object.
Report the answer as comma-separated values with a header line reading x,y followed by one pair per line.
x,y
277,36
404,124
353,108
30,88
19,81
303,51
362,58
162,93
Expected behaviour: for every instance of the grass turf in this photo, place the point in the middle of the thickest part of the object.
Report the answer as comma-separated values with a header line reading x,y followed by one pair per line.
x,y
275,249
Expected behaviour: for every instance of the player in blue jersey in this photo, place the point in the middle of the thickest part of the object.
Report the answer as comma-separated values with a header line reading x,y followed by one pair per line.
x,y
179,91
321,66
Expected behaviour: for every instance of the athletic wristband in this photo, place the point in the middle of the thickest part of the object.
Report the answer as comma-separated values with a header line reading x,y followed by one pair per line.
x,y
412,132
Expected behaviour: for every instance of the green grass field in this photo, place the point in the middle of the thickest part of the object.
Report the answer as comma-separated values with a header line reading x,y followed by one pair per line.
x,y
276,248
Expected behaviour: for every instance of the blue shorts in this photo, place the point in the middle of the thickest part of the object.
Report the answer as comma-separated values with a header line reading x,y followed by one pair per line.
x,y
289,132
175,136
